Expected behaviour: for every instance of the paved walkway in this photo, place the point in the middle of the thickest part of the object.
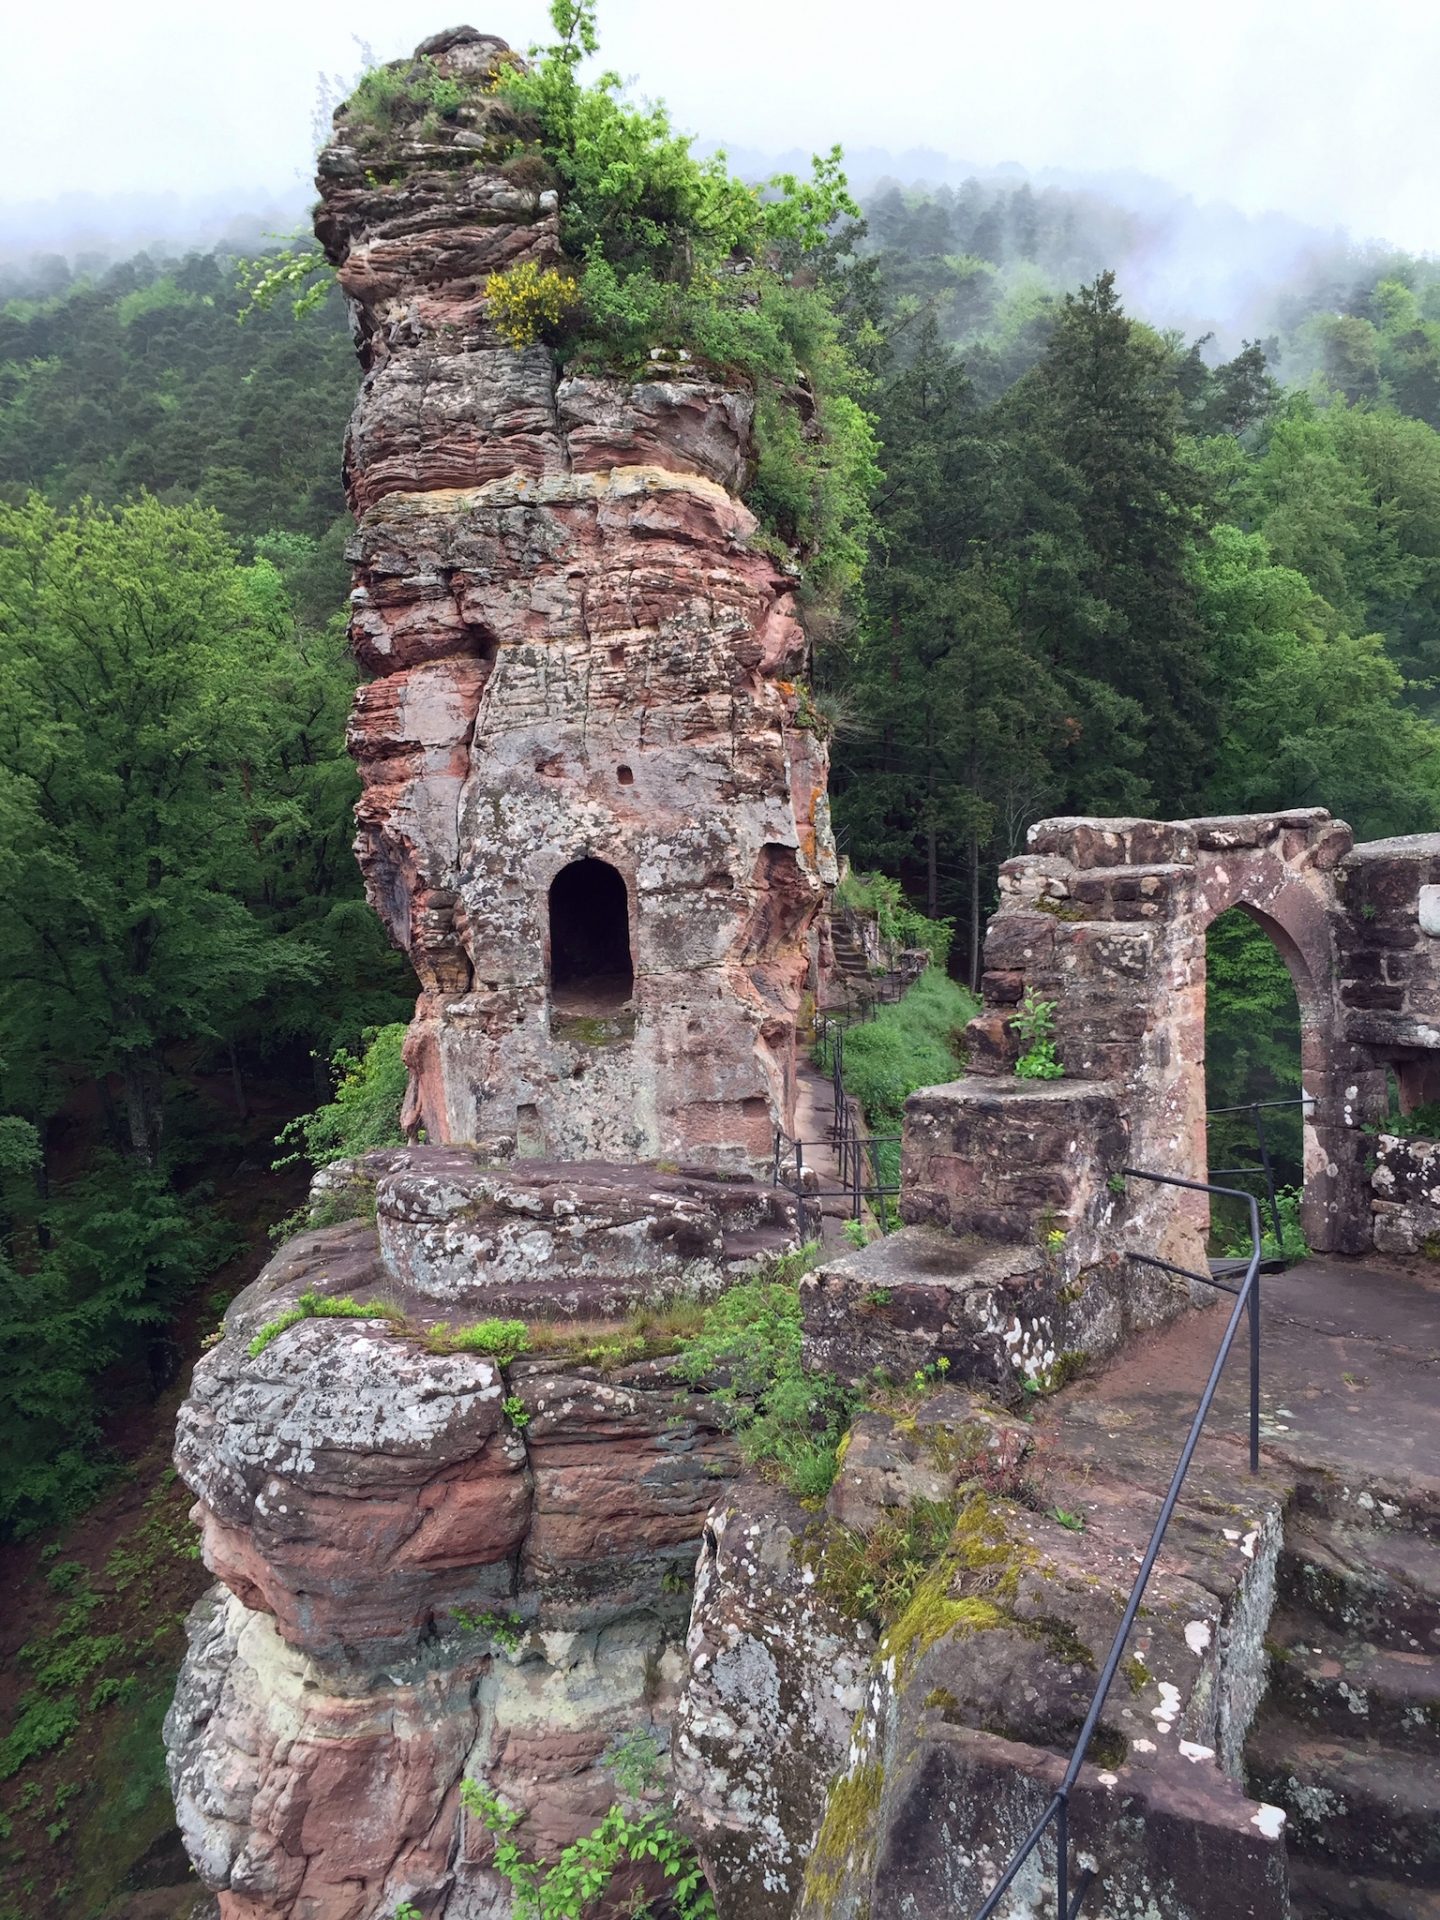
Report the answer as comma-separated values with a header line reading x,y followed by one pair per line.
x,y
1350,1384
814,1119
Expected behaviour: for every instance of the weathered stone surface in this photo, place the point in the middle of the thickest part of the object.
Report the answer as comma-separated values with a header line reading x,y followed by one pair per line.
x,y
308,1787
358,1485
889,1464
686,425
582,656
429,1569
1176,1841
1406,1187
570,1239
298,1794
976,1691
987,1158
774,1684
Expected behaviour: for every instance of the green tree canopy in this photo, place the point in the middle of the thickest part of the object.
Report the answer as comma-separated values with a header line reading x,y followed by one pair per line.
x,y
140,670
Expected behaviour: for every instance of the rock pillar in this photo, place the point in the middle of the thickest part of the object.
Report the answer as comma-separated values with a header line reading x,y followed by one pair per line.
x,y
593,814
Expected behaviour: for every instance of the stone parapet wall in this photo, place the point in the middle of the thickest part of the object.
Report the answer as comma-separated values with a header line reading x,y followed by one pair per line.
x,y
1388,952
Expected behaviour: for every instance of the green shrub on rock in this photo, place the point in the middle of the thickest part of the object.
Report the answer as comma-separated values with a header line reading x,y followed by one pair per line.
x,y
365,1111
748,1355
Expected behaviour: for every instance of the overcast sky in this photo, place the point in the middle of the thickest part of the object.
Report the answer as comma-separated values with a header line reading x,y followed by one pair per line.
x,y
1324,109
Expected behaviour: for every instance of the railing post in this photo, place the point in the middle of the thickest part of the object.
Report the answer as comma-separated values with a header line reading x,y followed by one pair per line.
x,y
1254,1314
1062,1857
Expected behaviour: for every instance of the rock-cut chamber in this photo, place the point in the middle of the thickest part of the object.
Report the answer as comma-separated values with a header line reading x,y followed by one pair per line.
x,y
591,968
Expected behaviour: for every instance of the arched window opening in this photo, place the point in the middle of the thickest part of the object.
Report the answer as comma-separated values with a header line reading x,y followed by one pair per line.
x,y
1253,1088
591,971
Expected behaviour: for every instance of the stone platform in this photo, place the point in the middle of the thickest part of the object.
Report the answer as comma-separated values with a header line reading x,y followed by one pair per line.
x,y
1350,1386
580,1239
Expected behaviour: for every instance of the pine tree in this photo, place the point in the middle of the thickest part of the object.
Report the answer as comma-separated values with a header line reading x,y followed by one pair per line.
x,y
1105,399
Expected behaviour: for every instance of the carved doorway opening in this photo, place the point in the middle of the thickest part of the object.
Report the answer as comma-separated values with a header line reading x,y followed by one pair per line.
x,y
592,970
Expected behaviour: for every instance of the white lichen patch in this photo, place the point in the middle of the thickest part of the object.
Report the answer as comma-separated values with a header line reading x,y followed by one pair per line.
x,y
1168,1710
1270,1820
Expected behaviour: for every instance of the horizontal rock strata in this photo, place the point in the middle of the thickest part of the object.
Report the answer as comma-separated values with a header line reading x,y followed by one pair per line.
x,y
429,1567
567,1238
580,653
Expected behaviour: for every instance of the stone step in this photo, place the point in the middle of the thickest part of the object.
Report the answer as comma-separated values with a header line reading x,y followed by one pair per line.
x,y
1358,1805
1328,1893
1381,1586
1364,1510
1352,1688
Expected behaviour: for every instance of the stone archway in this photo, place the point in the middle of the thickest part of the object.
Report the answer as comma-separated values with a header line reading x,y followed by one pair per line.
x,y
1107,919
1292,902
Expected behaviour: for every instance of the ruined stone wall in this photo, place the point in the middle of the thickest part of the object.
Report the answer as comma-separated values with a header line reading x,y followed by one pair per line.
x,y
578,651
1108,919
1016,1260
1388,959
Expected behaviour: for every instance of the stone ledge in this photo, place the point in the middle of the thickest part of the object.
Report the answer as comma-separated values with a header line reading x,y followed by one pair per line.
x,y
583,1239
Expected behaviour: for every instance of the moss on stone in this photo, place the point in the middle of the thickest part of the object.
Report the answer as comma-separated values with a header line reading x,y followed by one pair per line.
x,y
933,1615
847,1833
982,1545
1107,1748
1136,1672
591,1030
956,1449
1060,1638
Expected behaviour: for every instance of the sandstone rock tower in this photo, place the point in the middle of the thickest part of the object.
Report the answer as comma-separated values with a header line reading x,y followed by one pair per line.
x,y
591,815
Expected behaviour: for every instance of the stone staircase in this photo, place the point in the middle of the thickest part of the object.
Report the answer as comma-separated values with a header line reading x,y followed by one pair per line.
x,y
851,966
1348,1738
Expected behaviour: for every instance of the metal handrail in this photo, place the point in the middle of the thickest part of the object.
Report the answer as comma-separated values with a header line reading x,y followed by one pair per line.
x,y
1265,1170
1249,1106
788,1170
1247,1302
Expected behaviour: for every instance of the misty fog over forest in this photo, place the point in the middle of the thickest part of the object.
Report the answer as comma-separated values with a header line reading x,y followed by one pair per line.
x,y
1200,267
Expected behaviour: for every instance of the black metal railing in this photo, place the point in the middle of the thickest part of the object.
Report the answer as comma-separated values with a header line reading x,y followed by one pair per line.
x,y
1262,1170
860,1183
1070,1895
867,1176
